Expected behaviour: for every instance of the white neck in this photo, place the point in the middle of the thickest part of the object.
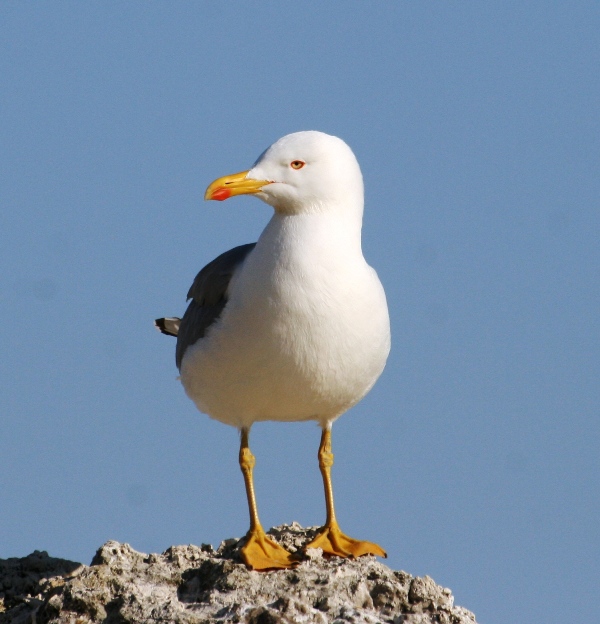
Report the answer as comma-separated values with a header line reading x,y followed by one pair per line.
x,y
332,229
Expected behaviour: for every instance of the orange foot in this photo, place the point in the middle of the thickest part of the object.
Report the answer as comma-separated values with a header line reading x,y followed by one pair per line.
x,y
261,553
334,542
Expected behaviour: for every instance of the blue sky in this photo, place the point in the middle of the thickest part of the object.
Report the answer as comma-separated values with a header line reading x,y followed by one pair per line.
x,y
475,459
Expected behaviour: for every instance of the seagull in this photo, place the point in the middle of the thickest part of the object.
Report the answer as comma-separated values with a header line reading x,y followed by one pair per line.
x,y
294,327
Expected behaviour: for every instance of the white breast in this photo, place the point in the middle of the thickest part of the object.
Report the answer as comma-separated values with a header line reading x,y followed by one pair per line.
x,y
304,335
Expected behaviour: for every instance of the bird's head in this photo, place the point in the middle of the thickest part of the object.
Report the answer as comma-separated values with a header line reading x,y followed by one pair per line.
x,y
301,172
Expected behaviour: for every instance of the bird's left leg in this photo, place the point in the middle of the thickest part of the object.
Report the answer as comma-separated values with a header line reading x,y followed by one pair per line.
x,y
259,552
330,538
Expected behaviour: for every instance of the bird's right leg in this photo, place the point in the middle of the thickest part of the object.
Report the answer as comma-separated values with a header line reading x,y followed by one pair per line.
x,y
259,552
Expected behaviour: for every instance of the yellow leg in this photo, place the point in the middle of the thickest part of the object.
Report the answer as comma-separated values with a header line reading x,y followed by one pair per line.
x,y
330,538
259,552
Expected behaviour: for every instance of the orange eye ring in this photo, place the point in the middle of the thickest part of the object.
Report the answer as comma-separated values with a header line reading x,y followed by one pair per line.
x,y
297,164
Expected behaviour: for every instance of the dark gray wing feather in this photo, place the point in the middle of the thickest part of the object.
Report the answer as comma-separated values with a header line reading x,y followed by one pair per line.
x,y
208,296
168,326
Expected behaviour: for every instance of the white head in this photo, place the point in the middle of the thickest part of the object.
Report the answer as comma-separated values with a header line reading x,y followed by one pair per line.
x,y
301,172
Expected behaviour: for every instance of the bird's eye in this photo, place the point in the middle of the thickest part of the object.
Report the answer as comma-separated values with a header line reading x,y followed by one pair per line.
x,y
297,164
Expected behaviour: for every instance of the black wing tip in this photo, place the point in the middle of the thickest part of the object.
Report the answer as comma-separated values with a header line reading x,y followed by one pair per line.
x,y
167,326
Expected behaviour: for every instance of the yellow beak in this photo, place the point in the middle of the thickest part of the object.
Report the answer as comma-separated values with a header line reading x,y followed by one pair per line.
x,y
235,184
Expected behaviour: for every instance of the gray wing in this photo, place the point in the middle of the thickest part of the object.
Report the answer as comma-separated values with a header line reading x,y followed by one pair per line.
x,y
208,296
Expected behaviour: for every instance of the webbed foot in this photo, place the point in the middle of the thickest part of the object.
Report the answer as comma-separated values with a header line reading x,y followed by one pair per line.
x,y
334,542
262,553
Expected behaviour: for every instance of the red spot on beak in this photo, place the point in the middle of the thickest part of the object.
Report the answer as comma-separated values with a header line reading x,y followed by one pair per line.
x,y
221,194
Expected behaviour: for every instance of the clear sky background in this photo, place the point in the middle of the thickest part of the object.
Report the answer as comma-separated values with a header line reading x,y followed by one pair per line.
x,y
475,459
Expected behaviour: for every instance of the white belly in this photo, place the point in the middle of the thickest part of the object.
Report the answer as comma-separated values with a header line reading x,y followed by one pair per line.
x,y
299,341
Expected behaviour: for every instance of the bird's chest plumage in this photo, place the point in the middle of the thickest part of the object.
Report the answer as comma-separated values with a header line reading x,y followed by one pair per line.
x,y
298,338
306,315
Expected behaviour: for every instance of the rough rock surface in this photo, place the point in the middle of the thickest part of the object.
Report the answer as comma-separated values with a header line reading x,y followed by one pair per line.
x,y
194,585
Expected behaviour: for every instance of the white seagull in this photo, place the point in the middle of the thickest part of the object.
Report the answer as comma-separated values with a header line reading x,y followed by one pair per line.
x,y
293,327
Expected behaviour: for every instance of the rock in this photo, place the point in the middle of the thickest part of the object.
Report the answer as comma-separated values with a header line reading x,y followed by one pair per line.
x,y
198,585
25,582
